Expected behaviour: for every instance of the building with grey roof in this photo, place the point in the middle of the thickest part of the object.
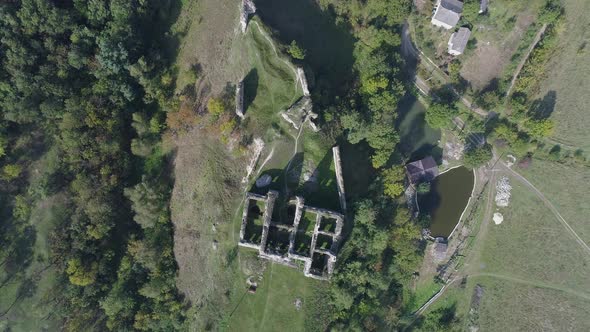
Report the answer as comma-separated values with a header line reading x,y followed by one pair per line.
x,y
483,6
447,14
423,170
458,41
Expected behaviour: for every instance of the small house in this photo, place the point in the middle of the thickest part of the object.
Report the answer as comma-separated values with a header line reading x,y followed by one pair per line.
x,y
458,41
447,13
424,170
483,6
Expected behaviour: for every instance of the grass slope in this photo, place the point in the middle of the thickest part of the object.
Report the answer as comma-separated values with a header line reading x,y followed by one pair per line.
x,y
565,89
272,307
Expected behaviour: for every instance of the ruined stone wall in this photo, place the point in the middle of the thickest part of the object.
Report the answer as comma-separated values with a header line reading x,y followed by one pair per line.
x,y
303,81
339,177
240,99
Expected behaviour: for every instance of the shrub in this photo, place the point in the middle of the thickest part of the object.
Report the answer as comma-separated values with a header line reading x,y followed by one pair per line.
x,y
11,171
296,51
476,157
440,115
215,107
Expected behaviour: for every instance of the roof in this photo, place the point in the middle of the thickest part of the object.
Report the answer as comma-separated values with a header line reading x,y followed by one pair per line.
x,y
483,6
449,12
459,40
422,170
452,5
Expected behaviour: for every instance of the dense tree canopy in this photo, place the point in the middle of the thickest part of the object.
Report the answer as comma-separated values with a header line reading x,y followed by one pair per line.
x,y
73,75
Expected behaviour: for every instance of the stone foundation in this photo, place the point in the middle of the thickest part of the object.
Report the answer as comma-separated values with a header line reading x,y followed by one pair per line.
x,y
291,257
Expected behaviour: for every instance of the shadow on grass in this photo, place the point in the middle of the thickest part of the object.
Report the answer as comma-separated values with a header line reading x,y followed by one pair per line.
x,y
543,108
329,45
250,88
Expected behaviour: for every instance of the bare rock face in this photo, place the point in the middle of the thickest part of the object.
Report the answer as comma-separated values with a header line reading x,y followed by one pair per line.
x,y
503,189
248,8
300,113
303,81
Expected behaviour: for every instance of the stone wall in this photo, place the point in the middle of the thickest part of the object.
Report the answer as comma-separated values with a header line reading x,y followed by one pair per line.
x,y
240,99
339,177
292,256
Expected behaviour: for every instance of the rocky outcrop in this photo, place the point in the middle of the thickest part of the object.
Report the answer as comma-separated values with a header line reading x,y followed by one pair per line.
x,y
248,9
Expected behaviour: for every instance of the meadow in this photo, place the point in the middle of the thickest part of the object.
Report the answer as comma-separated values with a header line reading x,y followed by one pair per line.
x,y
566,85
533,273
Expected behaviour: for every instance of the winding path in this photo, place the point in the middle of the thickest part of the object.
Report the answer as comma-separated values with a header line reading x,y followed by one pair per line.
x,y
525,58
410,51
549,205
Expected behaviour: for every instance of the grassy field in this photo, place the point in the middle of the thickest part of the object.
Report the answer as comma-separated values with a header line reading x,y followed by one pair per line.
x,y
532,245
513,306
272,307
534,275
566,187
566,84
33,310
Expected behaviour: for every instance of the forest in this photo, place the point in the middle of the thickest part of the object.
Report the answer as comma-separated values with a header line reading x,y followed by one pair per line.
x,y
85,84
86,93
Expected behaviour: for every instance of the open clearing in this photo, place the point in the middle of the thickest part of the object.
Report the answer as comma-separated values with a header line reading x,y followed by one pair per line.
x,y
565,89
273,306
533,272
499,34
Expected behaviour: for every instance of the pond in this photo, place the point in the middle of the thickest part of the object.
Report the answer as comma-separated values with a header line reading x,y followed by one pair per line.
x,y
448,197
417,138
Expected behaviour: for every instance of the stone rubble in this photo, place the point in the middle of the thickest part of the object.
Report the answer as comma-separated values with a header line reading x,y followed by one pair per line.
x,y
257,147
503,189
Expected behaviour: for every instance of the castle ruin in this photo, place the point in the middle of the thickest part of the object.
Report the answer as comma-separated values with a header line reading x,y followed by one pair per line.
x,y
310,236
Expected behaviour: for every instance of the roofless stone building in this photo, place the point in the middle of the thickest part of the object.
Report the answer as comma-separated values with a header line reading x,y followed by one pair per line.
x,y
314,243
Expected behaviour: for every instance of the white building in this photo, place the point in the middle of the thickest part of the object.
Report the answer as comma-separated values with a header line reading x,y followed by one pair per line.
x,y
458,41
447,14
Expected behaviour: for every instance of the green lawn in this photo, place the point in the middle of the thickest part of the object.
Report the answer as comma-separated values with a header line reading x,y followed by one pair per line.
x,y
534,274
566,85
514,306
531,244
270,83
272,307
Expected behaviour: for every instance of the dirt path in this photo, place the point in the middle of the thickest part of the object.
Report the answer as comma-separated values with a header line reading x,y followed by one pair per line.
x,y
549,205
533,283
525,58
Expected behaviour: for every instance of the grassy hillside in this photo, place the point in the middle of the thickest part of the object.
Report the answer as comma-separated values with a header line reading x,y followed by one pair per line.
x,y
564,91
207,196
533,273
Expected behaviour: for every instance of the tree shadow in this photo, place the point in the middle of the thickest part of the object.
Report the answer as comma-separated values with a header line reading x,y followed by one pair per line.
x,y
329,44
250,88
444,94
322,191
417,139
543,108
